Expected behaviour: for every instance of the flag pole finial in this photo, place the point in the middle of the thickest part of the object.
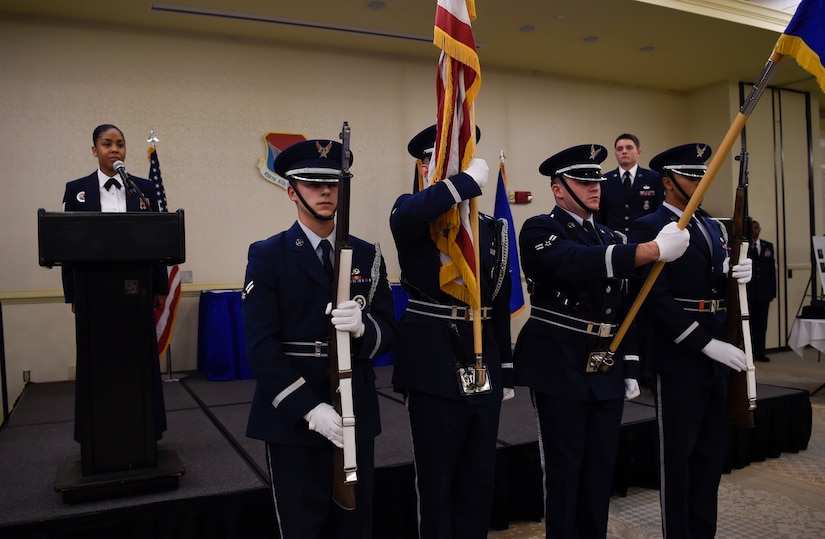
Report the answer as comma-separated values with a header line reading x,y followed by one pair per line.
x,y
501,156
153,138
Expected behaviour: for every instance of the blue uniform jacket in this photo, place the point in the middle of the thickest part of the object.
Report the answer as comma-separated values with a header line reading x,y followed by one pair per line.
x,y
84,195
558,256
675,335
285,294
424,359
763,284
619,208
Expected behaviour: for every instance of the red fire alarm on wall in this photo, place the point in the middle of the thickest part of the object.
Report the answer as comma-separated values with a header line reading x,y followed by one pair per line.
x,y
522,197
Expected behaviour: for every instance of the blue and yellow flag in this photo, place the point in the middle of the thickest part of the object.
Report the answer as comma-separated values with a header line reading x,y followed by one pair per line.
x,y
502,211
804,39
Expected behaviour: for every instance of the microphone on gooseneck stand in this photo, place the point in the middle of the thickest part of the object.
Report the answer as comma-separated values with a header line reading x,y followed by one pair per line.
x,y
120,168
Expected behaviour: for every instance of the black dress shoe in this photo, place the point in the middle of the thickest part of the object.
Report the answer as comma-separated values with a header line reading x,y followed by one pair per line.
x,y
763,358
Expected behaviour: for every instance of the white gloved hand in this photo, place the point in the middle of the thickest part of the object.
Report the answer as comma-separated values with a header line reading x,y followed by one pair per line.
x,y
324,420
347,317
478,170
743,271
509,393
726,354
631,388
672,242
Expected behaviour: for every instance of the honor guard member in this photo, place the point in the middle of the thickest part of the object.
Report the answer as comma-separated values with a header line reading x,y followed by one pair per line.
x,y
453,432
576,275
629,191
684,317
287,325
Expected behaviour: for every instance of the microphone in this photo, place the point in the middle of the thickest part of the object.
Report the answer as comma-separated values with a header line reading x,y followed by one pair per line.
x,y
120,168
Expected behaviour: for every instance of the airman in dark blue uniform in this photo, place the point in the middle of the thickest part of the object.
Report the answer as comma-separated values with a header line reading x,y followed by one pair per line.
x,y
285,312
453,432
683,318
576,274
629,191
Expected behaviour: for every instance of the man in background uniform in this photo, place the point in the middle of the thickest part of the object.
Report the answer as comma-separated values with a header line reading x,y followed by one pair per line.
x,y
629,191
576,274
761,290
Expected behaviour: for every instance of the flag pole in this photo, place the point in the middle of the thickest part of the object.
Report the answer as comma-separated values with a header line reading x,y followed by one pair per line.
x,y
715,164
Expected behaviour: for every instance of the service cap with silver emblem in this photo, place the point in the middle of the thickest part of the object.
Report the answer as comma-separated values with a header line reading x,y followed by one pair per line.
x,y
310,161
686,160
581,162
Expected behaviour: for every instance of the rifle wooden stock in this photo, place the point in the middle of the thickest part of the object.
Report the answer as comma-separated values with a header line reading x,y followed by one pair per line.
x,y
344,474
738,409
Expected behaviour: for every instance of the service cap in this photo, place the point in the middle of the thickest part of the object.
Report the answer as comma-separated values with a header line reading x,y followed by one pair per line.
x,y
314,160
581,162
421,146
686,160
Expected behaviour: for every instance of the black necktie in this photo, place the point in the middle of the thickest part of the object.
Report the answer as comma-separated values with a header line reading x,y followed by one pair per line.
x,y
326,259
108,185
591,231
627,181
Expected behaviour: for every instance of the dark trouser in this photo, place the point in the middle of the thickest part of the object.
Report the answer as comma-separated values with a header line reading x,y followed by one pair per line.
x,y
759,325
455,448
578,442
302,492
693,439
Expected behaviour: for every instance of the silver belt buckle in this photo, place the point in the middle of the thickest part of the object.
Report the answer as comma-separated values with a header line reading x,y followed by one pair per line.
x,y
604,330
715,304
318,345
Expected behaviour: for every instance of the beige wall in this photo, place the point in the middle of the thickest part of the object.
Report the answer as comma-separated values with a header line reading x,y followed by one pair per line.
x,y
211,102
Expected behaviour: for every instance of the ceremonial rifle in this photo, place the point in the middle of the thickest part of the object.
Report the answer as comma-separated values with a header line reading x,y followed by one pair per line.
x,y
741,384
345,473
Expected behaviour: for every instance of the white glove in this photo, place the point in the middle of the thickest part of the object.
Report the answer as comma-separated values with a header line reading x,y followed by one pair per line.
x,y
631,388
743,271
509,393
478,170
347,317
672,242
726,354
324,420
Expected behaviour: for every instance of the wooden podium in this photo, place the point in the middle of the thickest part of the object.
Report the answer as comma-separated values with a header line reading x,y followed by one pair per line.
x,y
118,390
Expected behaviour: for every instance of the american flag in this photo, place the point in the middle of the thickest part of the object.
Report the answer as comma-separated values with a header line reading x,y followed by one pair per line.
x,y
458,82
164,314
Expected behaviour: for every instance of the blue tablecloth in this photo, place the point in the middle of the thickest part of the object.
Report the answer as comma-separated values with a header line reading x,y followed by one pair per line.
x,y
221,344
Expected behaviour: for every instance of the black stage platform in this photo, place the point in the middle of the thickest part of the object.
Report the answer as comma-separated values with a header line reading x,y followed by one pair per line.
x,y
224,491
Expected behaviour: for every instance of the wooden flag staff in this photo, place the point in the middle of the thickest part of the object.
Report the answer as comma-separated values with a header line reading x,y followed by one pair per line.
x,y
715,164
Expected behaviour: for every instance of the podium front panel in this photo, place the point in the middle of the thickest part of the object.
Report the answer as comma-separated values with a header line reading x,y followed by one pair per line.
x,y
74,237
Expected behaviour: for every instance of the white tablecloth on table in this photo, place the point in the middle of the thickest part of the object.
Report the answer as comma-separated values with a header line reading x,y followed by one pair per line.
x,y
807,331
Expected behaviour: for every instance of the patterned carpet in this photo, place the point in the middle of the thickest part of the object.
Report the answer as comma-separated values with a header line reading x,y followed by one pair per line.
x,y
776,499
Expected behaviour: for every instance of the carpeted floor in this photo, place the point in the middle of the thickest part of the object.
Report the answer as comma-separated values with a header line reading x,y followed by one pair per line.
x,y
778,498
